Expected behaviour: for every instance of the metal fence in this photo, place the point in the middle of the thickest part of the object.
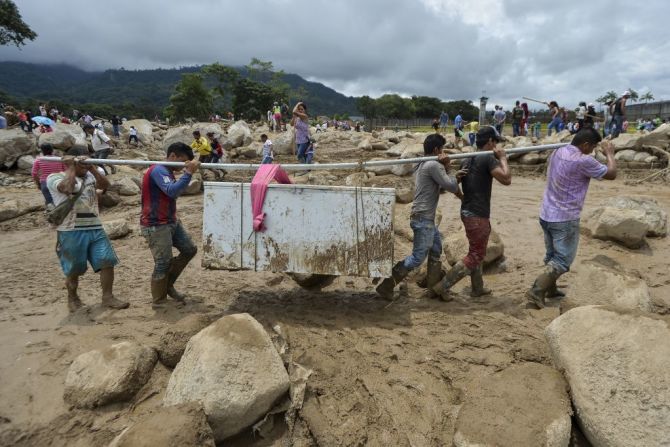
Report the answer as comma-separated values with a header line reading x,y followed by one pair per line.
x,y
393,123
648,111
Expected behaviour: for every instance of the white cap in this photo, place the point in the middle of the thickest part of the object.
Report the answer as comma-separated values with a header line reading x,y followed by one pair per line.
x,y
626,93
591,104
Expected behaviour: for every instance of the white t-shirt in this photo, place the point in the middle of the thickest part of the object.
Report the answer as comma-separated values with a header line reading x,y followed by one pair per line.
x,y
581,112
84,214
267,149
133,131
99,140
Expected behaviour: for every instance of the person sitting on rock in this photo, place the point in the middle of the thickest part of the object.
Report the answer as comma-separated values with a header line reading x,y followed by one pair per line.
x,y
81,238
160,225
476,176
570,171
431,177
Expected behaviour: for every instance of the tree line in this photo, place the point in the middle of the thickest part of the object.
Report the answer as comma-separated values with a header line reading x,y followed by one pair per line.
x,y
396,106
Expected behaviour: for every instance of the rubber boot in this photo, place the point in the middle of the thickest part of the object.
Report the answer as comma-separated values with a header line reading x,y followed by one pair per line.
x,y
159,289
555,292
477,288
73,301
398,273
541,286
107,282
455,274
434,274
177,266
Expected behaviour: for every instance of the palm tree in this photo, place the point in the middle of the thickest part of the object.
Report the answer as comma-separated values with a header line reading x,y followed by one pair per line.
x,y
647,97
633,95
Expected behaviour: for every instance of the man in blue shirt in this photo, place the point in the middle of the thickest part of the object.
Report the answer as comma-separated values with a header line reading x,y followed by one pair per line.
x,y
458,128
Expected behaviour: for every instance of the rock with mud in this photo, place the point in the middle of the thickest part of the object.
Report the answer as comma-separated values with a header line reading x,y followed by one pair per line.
x,y
182,425
524,405
455,247
627,226
531,158
25,162
63,137
233,368
15,143
283,144
12,208
173,341
239,134
117,228
655,217
404,194
312,281
356,179
602,280
625,155
616,363
111,374
195,185
109,199
123,185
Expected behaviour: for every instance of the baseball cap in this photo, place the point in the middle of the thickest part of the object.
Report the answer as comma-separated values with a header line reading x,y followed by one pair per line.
x,y
626,93
488,132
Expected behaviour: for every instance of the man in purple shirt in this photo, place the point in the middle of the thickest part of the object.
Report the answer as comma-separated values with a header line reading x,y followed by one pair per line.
x,y
571,168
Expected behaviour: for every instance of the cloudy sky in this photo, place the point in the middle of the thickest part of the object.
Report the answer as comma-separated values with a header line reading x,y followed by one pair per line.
x,y
568,50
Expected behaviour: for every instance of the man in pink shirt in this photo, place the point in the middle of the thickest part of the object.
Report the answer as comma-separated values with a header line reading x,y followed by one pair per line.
x,y
571,169
42,169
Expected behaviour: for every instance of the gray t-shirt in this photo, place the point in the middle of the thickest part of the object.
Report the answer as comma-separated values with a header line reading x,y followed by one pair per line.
x,y
430,178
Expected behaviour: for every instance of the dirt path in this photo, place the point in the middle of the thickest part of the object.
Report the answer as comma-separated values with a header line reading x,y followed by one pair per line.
x,y
383,374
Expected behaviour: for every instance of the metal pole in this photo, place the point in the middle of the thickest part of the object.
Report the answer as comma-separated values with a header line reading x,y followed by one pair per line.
x,y
302,167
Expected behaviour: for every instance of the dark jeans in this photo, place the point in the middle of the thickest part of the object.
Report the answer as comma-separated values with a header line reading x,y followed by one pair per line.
x,y
617,125
427,239
115,128
45,192
301,149
161,239
516,129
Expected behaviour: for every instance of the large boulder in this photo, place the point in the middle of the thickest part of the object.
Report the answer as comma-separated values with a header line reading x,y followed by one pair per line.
x,y
659,137
177,426
12,208
25,162
455,246
625,155
616,363
602,280
123,185
15,143
239,134
626,141
523,405
109,199
404,194
111,374
173,342
283,144
145,130
531,158
626,226
64,136
654,216
117,228
233,368
180,134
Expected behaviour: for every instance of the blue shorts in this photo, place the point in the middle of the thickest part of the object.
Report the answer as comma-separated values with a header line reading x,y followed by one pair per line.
x,y
76,248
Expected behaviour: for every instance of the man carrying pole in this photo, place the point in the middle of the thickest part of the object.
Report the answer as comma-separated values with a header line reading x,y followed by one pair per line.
x,y
160,225
476,176
431,177
571,168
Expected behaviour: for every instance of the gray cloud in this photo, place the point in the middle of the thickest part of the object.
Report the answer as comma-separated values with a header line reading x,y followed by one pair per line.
x,y
568,51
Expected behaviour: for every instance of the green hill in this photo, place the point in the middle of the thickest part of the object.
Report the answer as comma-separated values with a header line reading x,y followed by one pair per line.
x,y
131,92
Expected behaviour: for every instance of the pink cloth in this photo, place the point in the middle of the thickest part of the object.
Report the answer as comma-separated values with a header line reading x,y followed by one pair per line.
x,y
259,186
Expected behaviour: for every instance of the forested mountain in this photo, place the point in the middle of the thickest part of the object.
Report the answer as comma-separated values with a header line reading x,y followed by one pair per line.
x,y
131,92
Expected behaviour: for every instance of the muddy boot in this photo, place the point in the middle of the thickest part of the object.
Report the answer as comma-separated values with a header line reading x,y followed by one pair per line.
x,y
455,274
177,266
555,292
159,289
73,301
107,282
434,274
477,288
541,286
385,289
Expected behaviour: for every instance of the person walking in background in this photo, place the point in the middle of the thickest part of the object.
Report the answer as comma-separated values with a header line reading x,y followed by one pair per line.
x,y
43,169
517,118
555,122
581,113
116,125
458,128
268,154
570,171
524,120
473,127
300,122
589,115
499,116
444,121
202,147
619,114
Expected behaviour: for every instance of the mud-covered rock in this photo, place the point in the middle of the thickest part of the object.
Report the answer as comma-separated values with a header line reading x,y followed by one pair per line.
x,y
173,341
111,374
117,228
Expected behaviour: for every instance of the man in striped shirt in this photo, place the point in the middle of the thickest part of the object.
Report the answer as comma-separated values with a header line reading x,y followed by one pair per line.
x,y
571,169
160,225
42,169
81,238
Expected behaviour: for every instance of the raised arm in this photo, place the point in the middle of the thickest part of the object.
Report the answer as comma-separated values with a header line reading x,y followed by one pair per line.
x,y
608,150
502,172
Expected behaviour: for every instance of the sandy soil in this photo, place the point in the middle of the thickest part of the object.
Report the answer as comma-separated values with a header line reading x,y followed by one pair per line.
x,y
384,374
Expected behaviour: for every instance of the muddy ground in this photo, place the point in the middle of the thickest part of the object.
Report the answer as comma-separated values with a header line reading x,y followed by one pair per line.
x,y
383,374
